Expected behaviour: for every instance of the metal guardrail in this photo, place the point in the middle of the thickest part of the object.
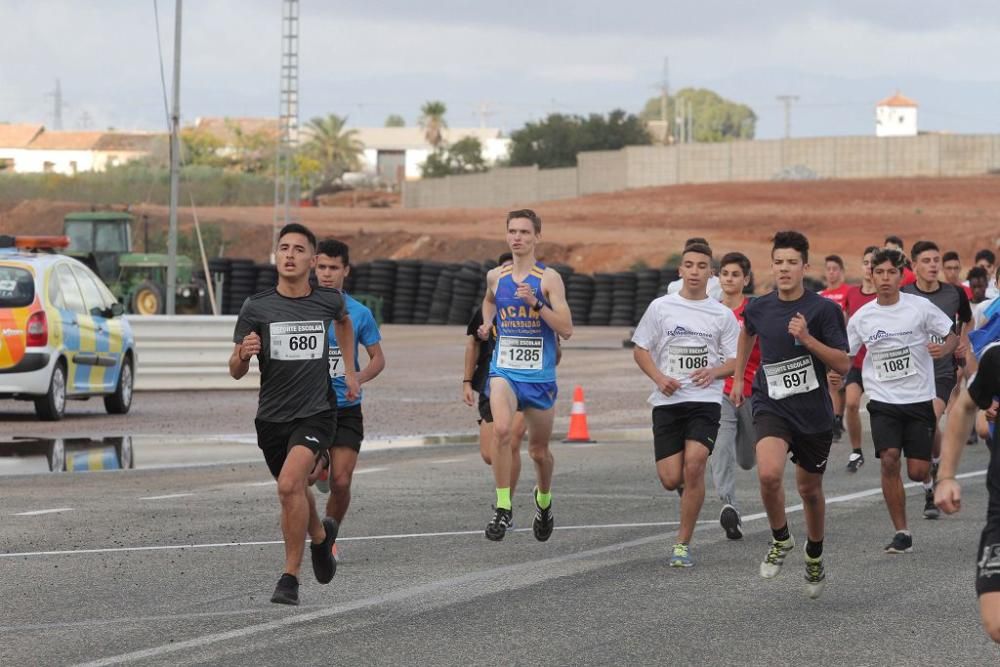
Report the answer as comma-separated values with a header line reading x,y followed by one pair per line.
x,y
186,352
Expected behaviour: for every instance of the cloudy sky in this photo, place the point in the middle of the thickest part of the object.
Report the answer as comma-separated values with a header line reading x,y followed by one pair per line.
x,y
518,60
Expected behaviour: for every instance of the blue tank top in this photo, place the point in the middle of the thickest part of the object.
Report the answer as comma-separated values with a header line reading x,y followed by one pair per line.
x,y
525,350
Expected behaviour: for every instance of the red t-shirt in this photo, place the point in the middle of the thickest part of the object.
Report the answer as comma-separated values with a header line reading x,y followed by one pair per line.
x,y
838,295
909,277
855,299
752,364
968,290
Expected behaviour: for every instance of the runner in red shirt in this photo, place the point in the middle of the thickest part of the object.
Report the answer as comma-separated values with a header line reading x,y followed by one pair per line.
x,y
858,296
951,267
836,291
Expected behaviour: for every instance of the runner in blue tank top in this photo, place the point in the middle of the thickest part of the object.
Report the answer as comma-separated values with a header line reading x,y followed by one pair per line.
x,y
527,303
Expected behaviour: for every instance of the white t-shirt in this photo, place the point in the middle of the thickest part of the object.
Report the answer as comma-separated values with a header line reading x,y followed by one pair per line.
x,y
898,369
979,312
683,336
714,288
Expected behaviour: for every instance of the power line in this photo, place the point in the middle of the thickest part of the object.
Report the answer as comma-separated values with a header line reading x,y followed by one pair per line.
x,y
787,101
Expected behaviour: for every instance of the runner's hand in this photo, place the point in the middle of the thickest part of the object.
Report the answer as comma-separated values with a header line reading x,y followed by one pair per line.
x,y
835,380
703,377
736,393
468,396
991,414
936,350
250,346
353,388
961,350
668,385
526,293
483,332
948,495
798,328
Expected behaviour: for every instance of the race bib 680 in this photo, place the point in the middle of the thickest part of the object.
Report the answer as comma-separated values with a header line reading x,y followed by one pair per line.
x,y
297,341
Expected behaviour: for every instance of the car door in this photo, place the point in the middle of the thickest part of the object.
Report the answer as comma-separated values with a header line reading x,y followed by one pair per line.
x,y
98,309
79,332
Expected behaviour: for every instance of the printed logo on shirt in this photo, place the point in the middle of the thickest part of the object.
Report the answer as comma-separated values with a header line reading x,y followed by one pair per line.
x,y
683,331
880,334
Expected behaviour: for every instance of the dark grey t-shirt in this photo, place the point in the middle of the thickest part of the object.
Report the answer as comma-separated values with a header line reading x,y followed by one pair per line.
x,y
954,303
294,369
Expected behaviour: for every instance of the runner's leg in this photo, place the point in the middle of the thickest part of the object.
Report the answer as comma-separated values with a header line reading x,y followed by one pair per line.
x,y
724,455
517,437
892,487
989,611
343,462
539,424
503,404
852,413
771,455
298,506
486,441
695,458
810,486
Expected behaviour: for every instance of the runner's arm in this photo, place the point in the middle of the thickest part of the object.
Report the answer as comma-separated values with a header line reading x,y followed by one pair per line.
x,y
238,367
556,312
946,348
743,349
375,365
832,358
948,493
471,355
644,360
344,331
489,305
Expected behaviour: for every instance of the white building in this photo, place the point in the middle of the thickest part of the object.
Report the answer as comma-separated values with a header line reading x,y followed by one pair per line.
x,y
394,154
27,149
896,116
14,141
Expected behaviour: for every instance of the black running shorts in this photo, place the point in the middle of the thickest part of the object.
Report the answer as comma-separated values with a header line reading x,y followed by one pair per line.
x,y
350,428
809,450
673,425
908,427
485,411
943,387
988,558
854,377
276,438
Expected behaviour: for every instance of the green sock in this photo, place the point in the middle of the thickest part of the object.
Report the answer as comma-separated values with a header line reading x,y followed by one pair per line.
x,y
543,499
503,498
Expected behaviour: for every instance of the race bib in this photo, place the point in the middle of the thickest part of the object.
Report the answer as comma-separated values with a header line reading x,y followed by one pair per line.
x,y
521,354
297,341
893,364
336,363
788,378
683,360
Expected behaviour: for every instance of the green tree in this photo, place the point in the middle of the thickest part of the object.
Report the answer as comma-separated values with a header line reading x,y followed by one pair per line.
x,y
201,148
463,157
336,148
432,121
715,118
555,141
395,120
253,152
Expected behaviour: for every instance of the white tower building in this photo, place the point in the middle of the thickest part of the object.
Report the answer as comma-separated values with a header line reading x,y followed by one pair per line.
x,y
896,116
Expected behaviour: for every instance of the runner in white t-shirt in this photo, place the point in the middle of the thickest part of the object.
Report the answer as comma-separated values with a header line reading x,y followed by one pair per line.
x,y
686,344
898,374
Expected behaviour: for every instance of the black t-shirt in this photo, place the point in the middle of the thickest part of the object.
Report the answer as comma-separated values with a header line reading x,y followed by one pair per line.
x,y
787,369
482,370
984,388
294,364
953,302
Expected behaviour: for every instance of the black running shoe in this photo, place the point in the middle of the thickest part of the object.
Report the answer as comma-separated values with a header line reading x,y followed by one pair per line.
x,y
544,523
931,510
901,544
838,428
497,527
731,523
287,590
855,461
934,469
324,564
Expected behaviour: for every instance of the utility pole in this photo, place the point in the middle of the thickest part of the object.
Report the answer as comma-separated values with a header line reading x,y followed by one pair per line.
x,y
286,185
484,112
787,100
664,98
175,151
690,121
57,106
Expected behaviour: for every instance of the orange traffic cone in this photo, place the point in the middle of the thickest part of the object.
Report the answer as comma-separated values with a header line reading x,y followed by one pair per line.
x,y
578,419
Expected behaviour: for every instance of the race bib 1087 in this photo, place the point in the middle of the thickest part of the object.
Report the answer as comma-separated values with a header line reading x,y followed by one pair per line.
x,y
297,341
788,378
522,354
892,364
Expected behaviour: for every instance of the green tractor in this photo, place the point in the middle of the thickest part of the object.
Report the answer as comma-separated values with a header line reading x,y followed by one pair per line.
x,y
103,241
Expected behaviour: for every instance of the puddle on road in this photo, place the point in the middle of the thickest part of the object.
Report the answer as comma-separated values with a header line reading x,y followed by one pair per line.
x,y
24,455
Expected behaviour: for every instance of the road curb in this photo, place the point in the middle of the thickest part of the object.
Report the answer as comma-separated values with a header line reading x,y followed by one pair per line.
x,y
404,442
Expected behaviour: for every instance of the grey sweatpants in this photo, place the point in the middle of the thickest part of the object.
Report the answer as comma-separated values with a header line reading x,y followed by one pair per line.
x,y
734,445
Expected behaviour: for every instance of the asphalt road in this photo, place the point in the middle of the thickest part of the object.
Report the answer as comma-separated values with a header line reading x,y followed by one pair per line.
x,y
175,567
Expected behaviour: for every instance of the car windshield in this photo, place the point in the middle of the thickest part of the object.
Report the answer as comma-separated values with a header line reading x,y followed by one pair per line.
x,y
17,287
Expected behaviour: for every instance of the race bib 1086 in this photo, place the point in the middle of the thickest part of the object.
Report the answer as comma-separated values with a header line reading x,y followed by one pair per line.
x,y
297,341
788,378
683,360
522,354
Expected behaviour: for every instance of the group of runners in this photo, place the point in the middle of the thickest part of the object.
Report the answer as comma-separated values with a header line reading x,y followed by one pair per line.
x,y
750,380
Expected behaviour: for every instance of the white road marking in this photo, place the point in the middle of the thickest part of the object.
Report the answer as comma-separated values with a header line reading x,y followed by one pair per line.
x,y
367,470
168,496
270,482
458,460
51,511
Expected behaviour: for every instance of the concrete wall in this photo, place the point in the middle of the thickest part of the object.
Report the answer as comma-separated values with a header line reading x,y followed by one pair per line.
x,y
648,166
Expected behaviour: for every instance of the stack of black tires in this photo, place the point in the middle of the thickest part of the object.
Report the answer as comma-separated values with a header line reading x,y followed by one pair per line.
x,y
600,306
465,288
647,287
580,296
426,291
405,293
623,299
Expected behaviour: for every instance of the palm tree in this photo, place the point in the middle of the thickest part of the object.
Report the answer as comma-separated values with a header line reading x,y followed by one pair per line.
x,y
432,121
334,147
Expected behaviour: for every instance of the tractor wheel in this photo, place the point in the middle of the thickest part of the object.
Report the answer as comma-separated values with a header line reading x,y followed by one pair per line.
x,y
147,299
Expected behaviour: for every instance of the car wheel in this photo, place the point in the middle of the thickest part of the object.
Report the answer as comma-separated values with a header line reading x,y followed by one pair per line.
x,y
52,406
119,402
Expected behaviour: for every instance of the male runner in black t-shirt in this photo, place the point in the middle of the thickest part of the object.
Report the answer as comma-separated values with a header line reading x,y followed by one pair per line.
x,y
286,327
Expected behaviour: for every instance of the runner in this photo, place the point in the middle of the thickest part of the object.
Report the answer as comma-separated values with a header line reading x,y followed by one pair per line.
x,y
953,303
527,302
899,372
951,268
979,283
714,290
987,259
983,311
477,370
854,387
896,243
836,291
982,393
801,334
286,328
686,344
736,440
333,265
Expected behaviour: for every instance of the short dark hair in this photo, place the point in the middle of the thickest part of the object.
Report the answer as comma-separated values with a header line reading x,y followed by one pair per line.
x,y
736,258
870,249
793,240
922,246
950,256
695,239
836,259
700,248
895,240
891,255
986,254
978,272
297,228
528,214
505,257
335,248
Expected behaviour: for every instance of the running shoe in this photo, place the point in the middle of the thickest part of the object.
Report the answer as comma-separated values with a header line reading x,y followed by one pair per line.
x,y
544,523
681,557
731,522
775,558
499,525
287,590
901,544
815,577
335,552
931,510
324,564
855,461
838,428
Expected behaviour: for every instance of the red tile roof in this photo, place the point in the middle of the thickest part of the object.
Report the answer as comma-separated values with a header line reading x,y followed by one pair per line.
x,y
897,100
18,135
